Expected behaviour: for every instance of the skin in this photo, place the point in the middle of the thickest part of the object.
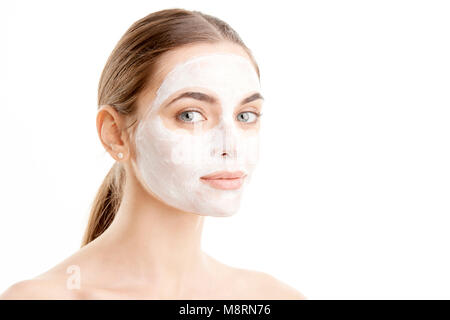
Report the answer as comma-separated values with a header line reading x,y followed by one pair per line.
x,y
151,250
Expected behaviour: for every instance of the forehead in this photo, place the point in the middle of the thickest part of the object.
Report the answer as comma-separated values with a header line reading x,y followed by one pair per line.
x,y
168,60
228,75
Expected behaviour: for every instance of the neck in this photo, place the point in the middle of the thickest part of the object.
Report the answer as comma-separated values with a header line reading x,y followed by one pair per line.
x,y
153,239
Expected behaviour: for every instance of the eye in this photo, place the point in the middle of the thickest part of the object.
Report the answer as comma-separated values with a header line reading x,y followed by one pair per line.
x,y
191,116
247,117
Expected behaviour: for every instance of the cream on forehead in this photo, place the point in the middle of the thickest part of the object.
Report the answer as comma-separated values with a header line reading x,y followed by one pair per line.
x,y
230,76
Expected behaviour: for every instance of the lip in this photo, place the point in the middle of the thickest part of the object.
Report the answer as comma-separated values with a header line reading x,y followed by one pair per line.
x,y
225,180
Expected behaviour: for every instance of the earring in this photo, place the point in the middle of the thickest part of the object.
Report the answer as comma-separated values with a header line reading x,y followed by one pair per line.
x,y
120,155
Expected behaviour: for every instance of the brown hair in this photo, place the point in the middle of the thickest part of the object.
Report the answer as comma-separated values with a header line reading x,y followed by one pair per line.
x,y
126,73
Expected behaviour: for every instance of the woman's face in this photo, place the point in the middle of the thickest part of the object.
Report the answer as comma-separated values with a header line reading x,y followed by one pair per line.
x,y
197,139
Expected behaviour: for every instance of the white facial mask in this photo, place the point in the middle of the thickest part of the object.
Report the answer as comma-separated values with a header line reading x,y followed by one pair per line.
x,y
170,162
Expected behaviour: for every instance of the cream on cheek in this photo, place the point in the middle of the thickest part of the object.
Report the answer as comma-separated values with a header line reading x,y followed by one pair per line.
x,y
171,162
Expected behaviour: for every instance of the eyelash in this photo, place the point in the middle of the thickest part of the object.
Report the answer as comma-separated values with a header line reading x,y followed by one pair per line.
x,y
257,114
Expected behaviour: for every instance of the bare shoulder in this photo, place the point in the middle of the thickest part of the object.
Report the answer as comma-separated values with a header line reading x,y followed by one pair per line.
x,y
261,285
38,289
59,282
269,287
251,284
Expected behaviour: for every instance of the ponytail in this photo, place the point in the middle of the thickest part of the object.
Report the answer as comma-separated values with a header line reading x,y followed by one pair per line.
x,y
105,204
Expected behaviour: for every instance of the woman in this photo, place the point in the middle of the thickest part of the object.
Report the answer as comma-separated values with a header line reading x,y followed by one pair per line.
x,y
179,106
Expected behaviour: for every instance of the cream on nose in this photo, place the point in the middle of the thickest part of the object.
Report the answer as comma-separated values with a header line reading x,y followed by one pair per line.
x,y
225,140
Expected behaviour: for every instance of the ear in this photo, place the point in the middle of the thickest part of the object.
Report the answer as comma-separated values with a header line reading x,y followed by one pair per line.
x,y
110,129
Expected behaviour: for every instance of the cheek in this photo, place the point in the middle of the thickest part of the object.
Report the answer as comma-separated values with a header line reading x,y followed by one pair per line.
x,y
176,150
248,148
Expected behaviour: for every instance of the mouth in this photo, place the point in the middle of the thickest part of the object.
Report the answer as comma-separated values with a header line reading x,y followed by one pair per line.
x,y
225,180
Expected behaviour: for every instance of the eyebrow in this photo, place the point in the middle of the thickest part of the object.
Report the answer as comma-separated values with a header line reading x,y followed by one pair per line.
x,y
206,98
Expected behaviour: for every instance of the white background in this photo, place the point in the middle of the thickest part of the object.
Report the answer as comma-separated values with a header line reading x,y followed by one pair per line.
x,y
351,196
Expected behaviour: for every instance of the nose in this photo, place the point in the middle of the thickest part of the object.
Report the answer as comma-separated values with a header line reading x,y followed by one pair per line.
x,y
225,154
226,142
